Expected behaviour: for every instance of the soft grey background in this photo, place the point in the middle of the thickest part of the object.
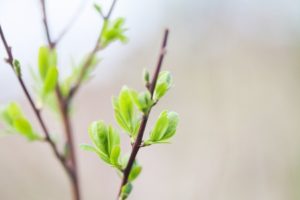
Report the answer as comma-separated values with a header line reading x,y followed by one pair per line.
x,y
237,73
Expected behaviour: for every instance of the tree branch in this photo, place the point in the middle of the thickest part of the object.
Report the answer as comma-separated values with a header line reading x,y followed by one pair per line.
x,y
36,110
70,159
71,22
137,144
90,57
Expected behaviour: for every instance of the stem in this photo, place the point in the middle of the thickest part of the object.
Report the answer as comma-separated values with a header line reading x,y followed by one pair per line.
x,y
71,153
137,144
90,57
36,110
70,158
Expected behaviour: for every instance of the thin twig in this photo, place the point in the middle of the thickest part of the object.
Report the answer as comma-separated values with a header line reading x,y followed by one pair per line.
x,y
137,144
71,22
70,161
90,57
46,24
36,110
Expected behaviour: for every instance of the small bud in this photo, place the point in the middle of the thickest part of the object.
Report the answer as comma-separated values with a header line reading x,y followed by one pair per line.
x,y
146,76
98,9
17,67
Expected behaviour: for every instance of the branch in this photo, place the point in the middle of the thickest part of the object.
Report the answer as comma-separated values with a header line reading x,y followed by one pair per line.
x,y
137,144
36,110
45,21
71,160
71,22
91,55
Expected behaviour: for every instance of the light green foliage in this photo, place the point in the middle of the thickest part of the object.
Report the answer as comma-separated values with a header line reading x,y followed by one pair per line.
x,y
135,172
142,100
69,81
164,82
17,67
146,77
113,31
16,122
47,58
125,113
47,77
126,190
129,106
106,143
98,8
164,128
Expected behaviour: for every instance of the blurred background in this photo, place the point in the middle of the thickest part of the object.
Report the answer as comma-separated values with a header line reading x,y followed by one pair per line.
x,y
236,68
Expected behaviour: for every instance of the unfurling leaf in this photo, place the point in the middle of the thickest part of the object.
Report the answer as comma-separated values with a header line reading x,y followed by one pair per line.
x,y
146,76
135,172
15,121
125,192
98,9
50,80
142,100
164,82
125,113
17,67
47,58
106,142
112,31
164,128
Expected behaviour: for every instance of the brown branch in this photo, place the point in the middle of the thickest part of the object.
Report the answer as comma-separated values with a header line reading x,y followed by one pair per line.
x,y
71,22
137,144
36,110
70,161
90,57
45,21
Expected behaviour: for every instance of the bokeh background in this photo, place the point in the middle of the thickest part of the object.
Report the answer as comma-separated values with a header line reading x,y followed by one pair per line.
x,y
237,73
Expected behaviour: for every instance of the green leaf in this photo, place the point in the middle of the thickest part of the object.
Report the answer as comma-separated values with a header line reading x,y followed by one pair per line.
x,y
126,105
106,141
142,100
47,58
23,126
115,156
164,129
173,122
126,190
125,113
146,76
135,172
50,80
15,121
164,82
98,9
160,127
17,67
113,31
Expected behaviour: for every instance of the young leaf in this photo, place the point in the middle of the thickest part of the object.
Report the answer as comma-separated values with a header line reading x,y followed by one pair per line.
x,y
98,9
47,58
115,156
173,122
135,172
125,113
106,141
50,80
15,121
164,82
160,127
112,31
164,129
23,126
17,67
125,192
